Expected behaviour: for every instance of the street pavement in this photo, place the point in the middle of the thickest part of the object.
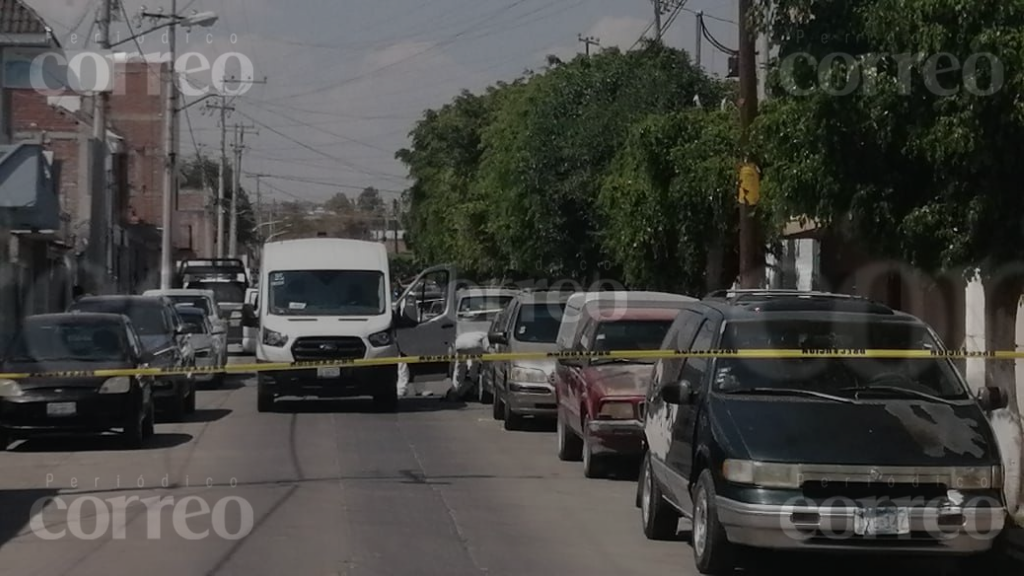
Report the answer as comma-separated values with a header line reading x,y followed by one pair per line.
x,y
337,489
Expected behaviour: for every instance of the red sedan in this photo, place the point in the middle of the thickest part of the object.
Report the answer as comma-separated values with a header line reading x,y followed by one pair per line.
x,y
600,400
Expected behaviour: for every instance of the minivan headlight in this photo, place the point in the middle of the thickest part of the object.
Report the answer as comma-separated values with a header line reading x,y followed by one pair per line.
x,y
764,474
380,338
528,375
10,389
116,385
272,338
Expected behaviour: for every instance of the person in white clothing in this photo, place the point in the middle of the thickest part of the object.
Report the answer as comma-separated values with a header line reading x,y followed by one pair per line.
x,y
464,375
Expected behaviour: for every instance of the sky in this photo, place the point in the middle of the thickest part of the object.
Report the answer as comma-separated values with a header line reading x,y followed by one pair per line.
x,y
346,81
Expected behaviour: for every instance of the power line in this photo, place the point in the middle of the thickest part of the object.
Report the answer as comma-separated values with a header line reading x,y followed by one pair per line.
x,y
318,151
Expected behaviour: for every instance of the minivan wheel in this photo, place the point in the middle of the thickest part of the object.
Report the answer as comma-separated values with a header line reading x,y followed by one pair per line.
x,y
498,409
264,399
660,520
570,447
712,551
512,420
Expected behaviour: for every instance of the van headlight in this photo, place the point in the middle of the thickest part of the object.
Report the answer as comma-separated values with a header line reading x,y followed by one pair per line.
x,y
10,389
272,338
116,385
764,474
380,338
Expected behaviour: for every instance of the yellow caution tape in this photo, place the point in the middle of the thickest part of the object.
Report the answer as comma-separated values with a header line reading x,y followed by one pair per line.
x,y
504,357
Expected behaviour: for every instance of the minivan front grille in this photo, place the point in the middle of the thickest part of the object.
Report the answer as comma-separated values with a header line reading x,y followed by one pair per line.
x,y
328,348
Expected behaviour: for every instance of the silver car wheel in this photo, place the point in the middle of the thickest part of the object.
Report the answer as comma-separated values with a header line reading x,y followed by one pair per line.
x,y
645,496
700,523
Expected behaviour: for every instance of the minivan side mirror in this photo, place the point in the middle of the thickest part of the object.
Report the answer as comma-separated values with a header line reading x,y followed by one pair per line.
x,y
680,392
497,338
992,398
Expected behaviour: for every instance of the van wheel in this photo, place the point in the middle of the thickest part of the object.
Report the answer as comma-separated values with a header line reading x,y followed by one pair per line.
x,y
712,550
264,399
570,447
190,400
387,400
660,520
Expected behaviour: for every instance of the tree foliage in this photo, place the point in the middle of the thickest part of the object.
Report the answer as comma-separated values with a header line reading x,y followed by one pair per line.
x,y
509,181
200,172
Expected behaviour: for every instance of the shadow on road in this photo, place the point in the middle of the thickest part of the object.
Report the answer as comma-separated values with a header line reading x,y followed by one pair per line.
x,y
97,443
361,405
204,416
16,510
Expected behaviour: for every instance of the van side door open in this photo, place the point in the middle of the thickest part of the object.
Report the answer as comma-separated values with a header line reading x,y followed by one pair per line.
x,y
432,296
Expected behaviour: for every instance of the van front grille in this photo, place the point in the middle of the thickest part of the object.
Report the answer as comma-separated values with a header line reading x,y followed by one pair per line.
x,y
328,348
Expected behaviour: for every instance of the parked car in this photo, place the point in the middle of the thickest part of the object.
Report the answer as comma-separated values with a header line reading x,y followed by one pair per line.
x,y
210,352
206,300
857,454
163,337
524,387
600,400
76,342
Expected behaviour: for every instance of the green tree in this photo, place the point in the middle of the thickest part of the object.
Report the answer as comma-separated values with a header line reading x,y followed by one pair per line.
x,y
201,172
549,149
443,212
670,200
340,203
370,202
918,162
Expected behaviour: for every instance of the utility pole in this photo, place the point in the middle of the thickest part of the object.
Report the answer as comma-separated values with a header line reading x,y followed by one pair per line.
x,y
395,208
657,19
223,108
239,145
171,168
699,33
588,41
100,203
751,271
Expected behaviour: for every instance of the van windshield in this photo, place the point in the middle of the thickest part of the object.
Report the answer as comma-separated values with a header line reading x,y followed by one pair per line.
x,y
327,293
854,376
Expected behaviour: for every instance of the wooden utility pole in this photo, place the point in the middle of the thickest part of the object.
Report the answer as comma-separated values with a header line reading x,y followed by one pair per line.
x,y
239,147
751,259
588,41
657,19
223,108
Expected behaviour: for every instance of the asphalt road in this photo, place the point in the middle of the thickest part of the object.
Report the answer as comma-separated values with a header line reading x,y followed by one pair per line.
x,y
335,489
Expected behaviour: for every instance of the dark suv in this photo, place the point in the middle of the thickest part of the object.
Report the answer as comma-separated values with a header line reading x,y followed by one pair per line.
x,y
857,454
165,340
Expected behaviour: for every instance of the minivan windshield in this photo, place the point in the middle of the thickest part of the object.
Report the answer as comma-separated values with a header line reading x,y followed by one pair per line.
x,y
42,341
855,376
538,323
327,293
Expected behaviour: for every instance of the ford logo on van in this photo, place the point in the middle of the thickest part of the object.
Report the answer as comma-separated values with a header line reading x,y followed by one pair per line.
x,y
328,348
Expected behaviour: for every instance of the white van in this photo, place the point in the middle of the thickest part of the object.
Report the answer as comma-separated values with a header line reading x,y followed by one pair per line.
x,y
329,299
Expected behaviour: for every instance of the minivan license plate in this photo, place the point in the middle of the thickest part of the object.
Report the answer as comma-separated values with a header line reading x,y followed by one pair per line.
x,y
330,372
60,409
881,521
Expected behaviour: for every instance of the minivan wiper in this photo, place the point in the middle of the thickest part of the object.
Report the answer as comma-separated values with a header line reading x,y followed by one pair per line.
x,y
790,392
896,391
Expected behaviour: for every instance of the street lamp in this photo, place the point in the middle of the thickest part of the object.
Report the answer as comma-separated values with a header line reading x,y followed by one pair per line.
x,y
173,20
